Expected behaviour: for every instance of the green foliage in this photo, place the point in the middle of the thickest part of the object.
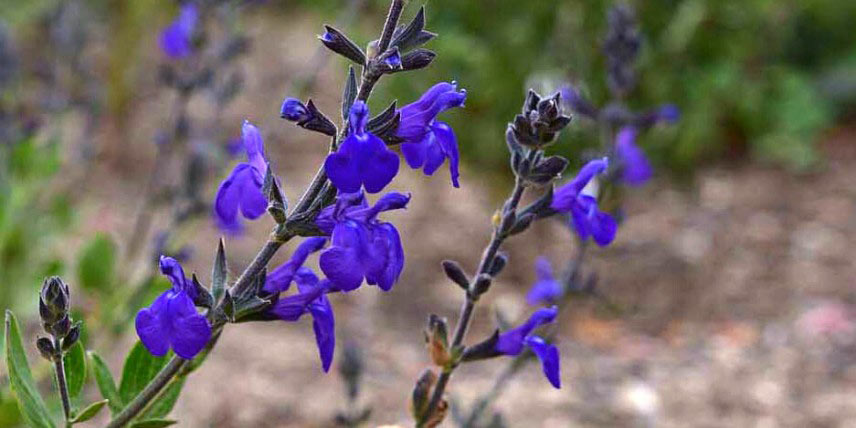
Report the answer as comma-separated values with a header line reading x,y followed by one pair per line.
x,y
105,382
89,412
166,401
153,423
96,264
31,218
75,370
140,368
30,402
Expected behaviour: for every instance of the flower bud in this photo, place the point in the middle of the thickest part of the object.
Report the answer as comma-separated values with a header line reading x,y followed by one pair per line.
x,y
337,42
540,122
53,300
437,340
456,273
71,338
293,110
422,393
46,348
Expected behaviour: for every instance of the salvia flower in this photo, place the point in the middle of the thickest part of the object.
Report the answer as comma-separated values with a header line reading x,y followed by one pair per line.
x,y
172,321
363,159
586,218
294,110
311,298
512,342
243,188
546,288
280,279
428,142
362,247
176,40
636,170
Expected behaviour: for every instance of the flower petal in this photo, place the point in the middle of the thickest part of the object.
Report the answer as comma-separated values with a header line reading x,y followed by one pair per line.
x,y
254,145
511,341
549,356
380,165
189,330
323,324
446,137
342,168
150,327
636,169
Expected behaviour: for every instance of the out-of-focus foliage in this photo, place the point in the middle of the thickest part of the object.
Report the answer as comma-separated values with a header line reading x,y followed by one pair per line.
x,y
752,77
29,218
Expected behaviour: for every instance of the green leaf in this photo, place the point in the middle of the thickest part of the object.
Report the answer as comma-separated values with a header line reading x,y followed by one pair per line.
x,y
165,401
96,264
21,379
140,368
105,382
218,276
153,423
75,369
89,412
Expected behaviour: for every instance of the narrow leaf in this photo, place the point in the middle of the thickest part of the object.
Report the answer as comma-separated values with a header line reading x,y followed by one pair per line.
x,y
165,401
140,368
89,412
218,276
350,93
30,403
75,369
153,423
105,382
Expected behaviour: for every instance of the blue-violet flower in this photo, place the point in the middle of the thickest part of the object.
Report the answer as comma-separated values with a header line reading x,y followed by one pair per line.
x,y
279,279
586,218
176,40
172,321
363,159
546,288
428,142
243,188
636,170
311,298
362,246
512,342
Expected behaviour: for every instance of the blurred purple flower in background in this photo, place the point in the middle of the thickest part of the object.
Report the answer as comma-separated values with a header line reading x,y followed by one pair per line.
x,y
362,246
513,341
636,170
362,159
586,218
243,188
176,40
427,141
172,321
546,288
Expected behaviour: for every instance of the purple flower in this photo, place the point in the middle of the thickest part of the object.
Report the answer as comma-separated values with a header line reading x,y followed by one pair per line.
x,y
294,110
668,113
176,39
586,218
311,298
635,168
279,279
545,289
363,159
577,103
172,321
513,341
427,141
361,246
243,188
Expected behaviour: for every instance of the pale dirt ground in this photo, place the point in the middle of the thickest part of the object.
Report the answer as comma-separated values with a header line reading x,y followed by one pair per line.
x,y
736,293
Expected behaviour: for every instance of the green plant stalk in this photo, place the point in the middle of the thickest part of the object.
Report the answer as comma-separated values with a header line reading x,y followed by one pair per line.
x,y
62,385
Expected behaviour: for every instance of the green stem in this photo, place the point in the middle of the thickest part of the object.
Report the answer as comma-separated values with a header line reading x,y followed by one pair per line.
x,y
62,385
148,393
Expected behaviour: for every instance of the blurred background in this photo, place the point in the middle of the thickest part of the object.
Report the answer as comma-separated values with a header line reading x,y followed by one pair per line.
x,y
728,297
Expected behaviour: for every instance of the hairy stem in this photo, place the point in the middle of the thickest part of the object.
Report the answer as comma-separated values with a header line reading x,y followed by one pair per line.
x,y
469,304
392,18
148,393
62,385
